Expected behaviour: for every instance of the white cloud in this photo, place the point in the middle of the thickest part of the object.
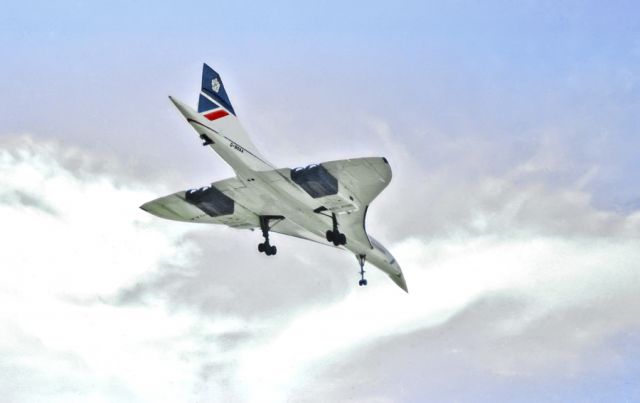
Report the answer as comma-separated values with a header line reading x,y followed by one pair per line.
x,y
64,254
472,237
550,274
74,238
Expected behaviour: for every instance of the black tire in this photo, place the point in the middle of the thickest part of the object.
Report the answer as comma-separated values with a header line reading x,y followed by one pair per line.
x,y
260,247
273,250
364,282
329,236
342,239
360,283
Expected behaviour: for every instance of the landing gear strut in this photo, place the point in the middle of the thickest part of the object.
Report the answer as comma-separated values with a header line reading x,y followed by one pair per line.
x,y
362,281
334,235
265,246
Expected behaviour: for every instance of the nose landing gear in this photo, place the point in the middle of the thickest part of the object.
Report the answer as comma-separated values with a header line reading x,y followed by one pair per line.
x,y
363,281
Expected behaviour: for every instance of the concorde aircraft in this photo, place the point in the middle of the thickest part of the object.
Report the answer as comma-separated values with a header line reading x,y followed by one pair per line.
x,y
325,203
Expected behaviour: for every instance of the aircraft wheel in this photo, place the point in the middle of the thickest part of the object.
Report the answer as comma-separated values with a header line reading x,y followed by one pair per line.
x,y
330,235
342,239
260,247
273,250
364,282
360,283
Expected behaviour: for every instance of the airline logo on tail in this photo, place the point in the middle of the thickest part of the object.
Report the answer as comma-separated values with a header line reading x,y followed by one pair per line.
x,y
215,85
214,102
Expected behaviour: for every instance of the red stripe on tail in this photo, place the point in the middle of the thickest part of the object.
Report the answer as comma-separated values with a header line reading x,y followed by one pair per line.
x,y
217,114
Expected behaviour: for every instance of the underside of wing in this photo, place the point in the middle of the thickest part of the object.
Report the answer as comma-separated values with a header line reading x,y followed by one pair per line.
x,y
344,185
363,178
288,227
209,204
356,183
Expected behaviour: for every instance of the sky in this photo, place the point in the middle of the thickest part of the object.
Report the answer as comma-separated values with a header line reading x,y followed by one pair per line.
x,y
514,209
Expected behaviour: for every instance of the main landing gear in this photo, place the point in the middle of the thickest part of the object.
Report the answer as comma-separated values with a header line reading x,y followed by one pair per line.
x,y
363,281
265,246
334,235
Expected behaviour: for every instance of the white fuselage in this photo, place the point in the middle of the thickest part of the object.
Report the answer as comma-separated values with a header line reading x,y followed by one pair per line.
x,y
281,196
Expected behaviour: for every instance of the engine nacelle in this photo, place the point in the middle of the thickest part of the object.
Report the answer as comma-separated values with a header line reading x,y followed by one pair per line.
x,y
319,183
210,200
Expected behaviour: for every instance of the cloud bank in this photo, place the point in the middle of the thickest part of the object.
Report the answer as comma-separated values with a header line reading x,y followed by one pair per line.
x,y
512,279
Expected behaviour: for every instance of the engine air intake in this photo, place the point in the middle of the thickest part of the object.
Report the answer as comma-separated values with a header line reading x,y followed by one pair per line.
x,y
315,180
210,200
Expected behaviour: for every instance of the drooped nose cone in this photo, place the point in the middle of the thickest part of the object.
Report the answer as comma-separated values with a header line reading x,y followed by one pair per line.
x,y
399,279
384,260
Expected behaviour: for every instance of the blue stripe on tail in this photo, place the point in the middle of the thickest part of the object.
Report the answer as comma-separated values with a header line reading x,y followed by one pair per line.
x,y
213,87
205,104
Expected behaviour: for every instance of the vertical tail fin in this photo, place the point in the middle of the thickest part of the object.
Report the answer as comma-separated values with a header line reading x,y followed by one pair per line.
x,y
214,102
217,119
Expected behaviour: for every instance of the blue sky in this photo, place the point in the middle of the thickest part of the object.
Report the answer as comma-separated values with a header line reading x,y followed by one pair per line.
x,y
512,130
504,71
